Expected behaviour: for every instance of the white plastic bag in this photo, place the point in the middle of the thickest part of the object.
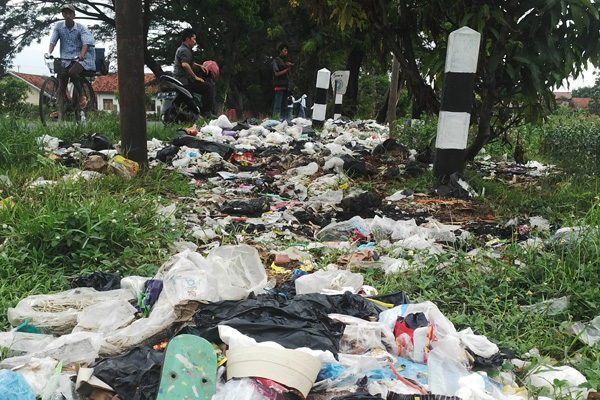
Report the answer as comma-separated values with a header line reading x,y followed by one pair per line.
x,y
60,387
57,313
238,270
105,317
320,281
446,365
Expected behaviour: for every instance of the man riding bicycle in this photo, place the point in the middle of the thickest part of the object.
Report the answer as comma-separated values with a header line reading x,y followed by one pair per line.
x,y
75,42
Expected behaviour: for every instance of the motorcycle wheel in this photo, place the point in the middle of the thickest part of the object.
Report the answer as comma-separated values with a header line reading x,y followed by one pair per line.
x,y
171,115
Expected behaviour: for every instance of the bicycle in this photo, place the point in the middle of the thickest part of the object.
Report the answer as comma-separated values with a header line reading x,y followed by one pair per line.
x,y
49,95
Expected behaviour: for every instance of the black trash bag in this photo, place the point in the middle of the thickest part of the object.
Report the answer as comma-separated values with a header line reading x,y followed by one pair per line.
x,y
310,132
363,205
205,146
134,375
354,167
101,281
240,126
494,361
389,145
416,320
299,322
251,208
97,141
166,154
396,298
454,186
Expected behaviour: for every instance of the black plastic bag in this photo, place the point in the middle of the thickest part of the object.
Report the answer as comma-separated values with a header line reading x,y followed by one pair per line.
x,y
452,187
224,150
396,298
101,281
251,208
134,375
97,141
300,322
166,154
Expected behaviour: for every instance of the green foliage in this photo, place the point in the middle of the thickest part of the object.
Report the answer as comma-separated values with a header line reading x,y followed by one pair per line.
x,y
573,143
13,93
420,136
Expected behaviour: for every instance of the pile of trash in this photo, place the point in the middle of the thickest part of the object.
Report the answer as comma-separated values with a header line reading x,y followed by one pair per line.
x,y
282,328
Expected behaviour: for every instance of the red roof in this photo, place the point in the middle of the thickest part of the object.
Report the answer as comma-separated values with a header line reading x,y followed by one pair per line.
x,y
110,83
34,80
581,102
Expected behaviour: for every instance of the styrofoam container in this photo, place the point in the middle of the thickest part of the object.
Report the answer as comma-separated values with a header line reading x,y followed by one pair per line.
x,y
291,368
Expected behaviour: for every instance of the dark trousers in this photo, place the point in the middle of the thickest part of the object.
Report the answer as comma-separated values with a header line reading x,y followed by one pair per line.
x,y
207,90
72,72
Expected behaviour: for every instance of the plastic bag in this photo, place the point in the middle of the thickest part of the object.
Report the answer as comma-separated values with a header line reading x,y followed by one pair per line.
x,y
227,273
60,387
37,372
331,280
19,343
441,325
134,375
361,336
239,271
105,317
446,365
57,313
340,231
247,389
101,281
14,387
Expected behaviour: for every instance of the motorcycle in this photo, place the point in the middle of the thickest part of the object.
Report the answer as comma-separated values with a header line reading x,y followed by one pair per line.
x,y
179,104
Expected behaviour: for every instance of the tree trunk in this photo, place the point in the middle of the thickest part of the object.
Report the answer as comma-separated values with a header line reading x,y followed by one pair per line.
x,y
393,96
484,131
353,64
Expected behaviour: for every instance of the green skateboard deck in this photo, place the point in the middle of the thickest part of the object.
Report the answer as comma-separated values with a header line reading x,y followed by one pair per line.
x,y
189,371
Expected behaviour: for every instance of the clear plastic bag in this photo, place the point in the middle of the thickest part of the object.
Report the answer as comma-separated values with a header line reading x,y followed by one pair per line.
x,y
361,336
246,389
57,313
105,317
60,387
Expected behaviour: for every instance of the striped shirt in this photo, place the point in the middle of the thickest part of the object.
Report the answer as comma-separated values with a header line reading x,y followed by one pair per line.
x,y
71,42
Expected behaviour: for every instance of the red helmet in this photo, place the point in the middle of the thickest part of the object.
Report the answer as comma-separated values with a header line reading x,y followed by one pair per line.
x,y
213,67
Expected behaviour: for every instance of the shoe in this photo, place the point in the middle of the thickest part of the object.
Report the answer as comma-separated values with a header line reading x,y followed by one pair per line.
x,y
54,114
83,102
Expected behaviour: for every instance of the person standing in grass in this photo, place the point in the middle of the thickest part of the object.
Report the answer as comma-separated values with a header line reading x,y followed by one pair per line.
x,y
75,42
281,81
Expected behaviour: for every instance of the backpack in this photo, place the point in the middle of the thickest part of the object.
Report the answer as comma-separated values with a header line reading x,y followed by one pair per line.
x,y
102,63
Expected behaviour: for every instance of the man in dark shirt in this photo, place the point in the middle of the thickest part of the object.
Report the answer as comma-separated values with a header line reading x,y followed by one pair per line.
x,y
186,71
281,80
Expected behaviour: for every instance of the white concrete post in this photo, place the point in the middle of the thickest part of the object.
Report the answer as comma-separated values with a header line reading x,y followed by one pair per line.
x,y
320,106
457,101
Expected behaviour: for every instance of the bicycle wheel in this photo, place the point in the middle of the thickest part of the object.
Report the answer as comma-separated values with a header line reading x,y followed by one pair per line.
x,y
49,100
88,92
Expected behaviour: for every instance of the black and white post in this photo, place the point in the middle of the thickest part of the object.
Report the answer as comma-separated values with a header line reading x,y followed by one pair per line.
x,y
320,106
339,83
457,100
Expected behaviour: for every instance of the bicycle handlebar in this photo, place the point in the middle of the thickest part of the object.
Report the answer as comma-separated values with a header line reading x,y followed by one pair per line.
x,y
51,57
